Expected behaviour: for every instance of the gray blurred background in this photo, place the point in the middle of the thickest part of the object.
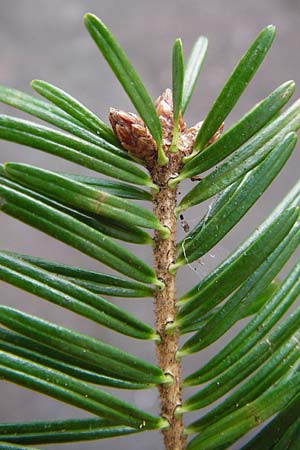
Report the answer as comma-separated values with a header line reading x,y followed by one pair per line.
x,y
47,40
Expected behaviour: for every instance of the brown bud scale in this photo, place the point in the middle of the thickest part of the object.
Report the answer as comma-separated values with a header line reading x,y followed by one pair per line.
x,y
135,137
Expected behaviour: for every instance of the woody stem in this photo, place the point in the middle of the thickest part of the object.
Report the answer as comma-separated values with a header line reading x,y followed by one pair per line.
x,y
165,305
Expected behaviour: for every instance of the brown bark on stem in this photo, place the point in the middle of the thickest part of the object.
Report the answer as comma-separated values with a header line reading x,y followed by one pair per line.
x,y
165,305
136,138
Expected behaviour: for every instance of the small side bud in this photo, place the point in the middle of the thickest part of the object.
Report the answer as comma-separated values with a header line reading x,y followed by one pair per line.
x,y
133,135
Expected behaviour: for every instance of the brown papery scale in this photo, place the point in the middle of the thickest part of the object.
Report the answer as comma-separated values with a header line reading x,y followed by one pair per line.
x,y
135,137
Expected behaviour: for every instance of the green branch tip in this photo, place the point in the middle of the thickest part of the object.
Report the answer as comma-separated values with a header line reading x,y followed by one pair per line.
x,y
272,28
87,16
128,78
